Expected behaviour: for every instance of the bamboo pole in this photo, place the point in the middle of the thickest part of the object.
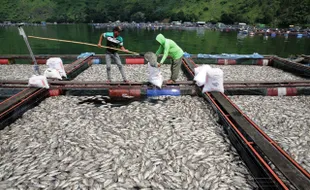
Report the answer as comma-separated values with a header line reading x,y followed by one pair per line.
x,y
82,43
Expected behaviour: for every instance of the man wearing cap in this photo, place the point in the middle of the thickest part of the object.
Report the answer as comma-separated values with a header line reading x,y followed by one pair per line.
x,y
116,41
169,47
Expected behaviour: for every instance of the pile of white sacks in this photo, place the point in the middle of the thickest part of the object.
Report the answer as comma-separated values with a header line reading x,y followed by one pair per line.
x,y
211,79
55,70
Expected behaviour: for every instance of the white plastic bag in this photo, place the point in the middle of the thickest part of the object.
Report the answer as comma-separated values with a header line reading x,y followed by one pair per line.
x,y
214,81
200,74
52,73
38,81
56,63
155,76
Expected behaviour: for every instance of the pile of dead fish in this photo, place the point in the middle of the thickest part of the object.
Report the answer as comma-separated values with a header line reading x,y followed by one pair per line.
x,y
255,73
139,73
163,143
285,119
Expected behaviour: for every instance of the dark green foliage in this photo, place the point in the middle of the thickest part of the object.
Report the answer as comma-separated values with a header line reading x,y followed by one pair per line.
x,y
272,12
138,17
228,18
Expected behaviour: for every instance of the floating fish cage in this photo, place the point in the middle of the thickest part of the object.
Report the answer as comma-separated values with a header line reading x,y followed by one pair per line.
x,y
135,135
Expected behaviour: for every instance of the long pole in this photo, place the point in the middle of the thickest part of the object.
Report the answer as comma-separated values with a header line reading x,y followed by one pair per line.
x,y
83,43
22,33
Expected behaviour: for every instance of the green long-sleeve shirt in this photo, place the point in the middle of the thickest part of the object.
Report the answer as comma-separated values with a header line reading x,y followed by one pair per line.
x,y
168,47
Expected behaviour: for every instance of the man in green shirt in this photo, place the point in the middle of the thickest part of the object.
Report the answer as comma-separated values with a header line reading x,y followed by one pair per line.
x,y
169,47
114,40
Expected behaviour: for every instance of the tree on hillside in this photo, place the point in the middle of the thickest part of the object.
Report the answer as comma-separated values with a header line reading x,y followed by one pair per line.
x,y
272,12
138,17
37,10
294,12
7,13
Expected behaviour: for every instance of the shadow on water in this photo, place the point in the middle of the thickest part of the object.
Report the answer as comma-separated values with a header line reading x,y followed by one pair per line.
x,y
117,102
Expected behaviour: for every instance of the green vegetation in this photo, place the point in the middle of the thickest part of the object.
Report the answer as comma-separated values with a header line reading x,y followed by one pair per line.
x,y
272,12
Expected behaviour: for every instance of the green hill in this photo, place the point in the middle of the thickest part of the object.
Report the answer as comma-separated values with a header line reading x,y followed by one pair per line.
x,y
272,12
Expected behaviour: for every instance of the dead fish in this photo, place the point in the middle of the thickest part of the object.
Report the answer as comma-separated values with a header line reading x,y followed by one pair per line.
x,y
151,152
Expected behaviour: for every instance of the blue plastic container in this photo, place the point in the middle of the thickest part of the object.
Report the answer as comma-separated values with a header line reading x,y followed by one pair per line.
x,y
96,61
163,92
86,54
186,55
299,35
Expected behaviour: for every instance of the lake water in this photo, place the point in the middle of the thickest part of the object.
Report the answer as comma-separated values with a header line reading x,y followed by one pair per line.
x,y
193,41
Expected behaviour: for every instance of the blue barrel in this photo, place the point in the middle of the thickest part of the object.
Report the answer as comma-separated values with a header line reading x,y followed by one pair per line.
x,y
299,35
163,92
186,55
96,61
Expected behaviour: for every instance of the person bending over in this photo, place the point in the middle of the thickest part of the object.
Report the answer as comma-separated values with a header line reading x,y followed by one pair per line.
x,y
169,47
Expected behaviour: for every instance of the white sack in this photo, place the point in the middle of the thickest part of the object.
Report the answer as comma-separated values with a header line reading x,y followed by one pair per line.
x,y
38,82
155,76
214,81
200,74
56,63
52,73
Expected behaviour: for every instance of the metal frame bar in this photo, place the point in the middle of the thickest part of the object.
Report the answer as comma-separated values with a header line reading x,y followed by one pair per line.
x,y
243,131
